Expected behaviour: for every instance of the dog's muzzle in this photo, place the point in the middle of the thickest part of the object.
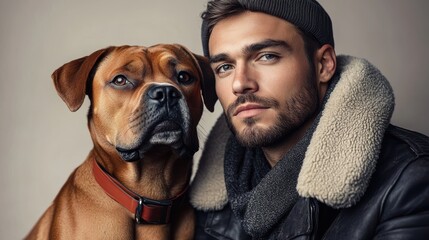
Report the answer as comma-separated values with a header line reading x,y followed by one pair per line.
x,y
165,121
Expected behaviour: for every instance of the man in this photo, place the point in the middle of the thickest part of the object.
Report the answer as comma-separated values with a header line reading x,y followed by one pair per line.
x,y
311,153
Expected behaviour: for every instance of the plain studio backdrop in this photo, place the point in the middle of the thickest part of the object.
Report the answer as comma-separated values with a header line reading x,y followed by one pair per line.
x,y
42,141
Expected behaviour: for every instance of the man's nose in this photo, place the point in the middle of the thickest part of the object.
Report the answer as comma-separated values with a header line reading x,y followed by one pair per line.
x,y
244,80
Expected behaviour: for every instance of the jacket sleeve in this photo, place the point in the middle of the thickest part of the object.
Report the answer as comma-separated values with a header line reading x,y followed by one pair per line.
x,y
405,211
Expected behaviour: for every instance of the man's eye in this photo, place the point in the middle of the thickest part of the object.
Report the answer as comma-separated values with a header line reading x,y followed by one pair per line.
x,y
268,57
120,81
223,68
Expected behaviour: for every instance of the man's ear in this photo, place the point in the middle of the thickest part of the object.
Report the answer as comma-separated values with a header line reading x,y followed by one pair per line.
x,y
326,63
208,79
70,80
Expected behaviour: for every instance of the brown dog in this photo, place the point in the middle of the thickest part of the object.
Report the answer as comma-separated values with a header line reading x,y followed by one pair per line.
x,y
145,106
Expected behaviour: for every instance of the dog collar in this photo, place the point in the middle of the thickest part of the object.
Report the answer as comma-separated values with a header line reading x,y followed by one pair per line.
x,y
145,210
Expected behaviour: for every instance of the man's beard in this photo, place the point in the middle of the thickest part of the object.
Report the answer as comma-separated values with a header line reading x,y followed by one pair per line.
x,y
297,111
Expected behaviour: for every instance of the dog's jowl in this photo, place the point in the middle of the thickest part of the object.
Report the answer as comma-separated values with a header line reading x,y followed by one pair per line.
x,y
145,107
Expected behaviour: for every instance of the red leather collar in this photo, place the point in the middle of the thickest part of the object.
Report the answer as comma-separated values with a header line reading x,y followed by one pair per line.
x,y
145,210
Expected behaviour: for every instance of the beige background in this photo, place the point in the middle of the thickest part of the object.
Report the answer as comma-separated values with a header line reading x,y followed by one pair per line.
x,y
42,142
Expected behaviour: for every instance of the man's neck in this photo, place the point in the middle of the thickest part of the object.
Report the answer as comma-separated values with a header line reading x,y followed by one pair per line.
x,y
277,151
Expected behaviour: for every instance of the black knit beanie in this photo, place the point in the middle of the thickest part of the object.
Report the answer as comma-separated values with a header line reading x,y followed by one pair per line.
x,y
307,15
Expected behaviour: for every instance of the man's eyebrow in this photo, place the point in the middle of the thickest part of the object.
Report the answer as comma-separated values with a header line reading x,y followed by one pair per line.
x,y
218,58
255,47
252,48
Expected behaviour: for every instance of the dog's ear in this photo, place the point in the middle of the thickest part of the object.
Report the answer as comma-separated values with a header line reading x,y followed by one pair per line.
x,y
70,80
208,78
208,83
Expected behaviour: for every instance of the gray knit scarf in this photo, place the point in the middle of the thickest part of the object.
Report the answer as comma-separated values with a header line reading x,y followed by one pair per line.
x,y
259,196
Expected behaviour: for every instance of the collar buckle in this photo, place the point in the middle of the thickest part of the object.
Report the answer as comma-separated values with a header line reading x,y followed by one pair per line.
x,y
152,211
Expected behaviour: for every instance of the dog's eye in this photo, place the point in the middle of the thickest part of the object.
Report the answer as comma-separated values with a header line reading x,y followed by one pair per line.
x,y
184,78
120,81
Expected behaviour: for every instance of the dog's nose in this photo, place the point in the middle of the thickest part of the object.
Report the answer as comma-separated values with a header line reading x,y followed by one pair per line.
x,y
164,94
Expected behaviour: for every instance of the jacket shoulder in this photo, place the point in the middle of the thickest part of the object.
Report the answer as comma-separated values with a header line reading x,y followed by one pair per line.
x,y
417,142
405,207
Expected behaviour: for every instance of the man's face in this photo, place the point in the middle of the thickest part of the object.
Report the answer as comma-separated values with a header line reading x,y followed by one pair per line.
x,y
264,80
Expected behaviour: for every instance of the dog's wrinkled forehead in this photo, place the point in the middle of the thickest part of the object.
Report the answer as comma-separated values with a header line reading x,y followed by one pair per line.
x,y
159,59
126,58
168,51
168,57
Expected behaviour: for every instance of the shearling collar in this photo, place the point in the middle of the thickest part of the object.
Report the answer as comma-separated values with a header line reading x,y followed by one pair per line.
x,y
343,150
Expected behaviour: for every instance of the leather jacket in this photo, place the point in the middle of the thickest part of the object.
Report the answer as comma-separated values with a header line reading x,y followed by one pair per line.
x,y
395,205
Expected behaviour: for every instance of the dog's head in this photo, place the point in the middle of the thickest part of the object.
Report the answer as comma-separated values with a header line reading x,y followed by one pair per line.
x,y
141,98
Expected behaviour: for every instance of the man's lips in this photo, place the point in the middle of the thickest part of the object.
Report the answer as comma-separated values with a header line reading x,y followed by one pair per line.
x,y
249,110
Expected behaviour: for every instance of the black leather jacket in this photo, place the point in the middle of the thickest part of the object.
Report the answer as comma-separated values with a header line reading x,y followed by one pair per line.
x,y
395,205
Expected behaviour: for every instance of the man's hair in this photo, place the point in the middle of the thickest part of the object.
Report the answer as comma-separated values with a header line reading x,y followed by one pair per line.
x,y
218,10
